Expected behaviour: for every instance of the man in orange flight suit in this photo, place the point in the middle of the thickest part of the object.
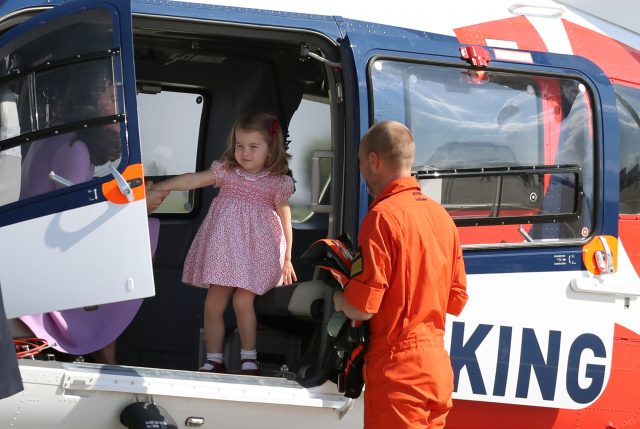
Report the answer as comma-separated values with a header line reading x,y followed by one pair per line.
x,y
408,274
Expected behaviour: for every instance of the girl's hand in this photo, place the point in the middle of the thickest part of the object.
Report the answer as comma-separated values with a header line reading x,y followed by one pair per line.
x,y
288,274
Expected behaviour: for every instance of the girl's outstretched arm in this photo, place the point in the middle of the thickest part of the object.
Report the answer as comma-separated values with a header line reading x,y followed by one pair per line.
x,y
284,212
187,182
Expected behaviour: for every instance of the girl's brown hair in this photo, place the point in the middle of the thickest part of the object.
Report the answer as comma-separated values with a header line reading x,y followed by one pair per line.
x,y
266,123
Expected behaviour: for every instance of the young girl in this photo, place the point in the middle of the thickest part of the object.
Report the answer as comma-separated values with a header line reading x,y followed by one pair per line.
x,y
243,247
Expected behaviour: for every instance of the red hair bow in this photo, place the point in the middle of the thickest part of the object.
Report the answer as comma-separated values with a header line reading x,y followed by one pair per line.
x,y
274,127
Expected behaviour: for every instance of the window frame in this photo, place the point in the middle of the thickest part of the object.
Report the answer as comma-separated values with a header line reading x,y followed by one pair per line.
x,y
525,70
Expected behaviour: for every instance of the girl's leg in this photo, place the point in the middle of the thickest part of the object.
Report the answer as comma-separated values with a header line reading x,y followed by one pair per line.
x,y
214,306
246,317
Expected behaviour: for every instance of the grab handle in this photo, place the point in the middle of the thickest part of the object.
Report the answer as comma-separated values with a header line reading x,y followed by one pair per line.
x,y
316,192
59,179
123,185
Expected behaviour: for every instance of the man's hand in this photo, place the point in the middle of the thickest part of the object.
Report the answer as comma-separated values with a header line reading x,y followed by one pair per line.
x,y
154,197
340,303
338,300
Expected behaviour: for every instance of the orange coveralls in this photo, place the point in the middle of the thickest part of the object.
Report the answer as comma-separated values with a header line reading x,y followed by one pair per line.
x,y
410,273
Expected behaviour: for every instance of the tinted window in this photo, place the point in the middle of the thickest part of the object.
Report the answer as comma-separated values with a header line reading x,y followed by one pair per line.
x,y
61,105
629,123
463,119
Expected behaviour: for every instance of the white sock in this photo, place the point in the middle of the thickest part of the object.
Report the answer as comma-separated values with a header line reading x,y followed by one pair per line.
x,y
248,354
214,357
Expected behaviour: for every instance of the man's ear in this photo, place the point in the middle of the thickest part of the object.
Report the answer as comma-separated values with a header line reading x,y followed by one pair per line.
x,y
374,159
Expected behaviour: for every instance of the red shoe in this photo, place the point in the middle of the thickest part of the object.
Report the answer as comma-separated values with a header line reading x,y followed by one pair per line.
x,y
217,367
249,371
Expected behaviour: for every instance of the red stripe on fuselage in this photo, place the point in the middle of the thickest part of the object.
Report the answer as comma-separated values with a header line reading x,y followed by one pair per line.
x,y
619,61
629,231
517,29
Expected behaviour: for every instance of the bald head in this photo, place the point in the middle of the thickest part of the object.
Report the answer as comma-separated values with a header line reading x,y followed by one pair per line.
x,y
393,142
386,153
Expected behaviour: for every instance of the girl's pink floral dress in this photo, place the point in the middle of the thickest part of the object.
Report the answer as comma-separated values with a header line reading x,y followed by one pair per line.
x,y
241,241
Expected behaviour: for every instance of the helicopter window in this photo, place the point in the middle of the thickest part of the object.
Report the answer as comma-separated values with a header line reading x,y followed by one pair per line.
x,y
474,129
628,102
310,129
70,97
168,149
